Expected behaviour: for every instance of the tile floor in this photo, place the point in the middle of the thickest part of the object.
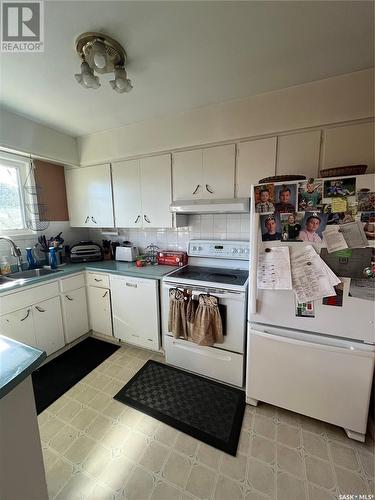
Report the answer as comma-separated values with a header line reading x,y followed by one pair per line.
x,y
97,448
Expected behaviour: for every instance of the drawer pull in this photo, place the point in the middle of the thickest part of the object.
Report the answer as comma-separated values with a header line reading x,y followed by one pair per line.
x,y
98,280
209,189
147,219
40,309
27,315
105,294
137,219
133,285
87,218
94,221
68,297
196,189
136,336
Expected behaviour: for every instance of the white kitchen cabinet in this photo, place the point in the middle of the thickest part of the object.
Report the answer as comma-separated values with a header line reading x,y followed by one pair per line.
x,y
298,154
89,196
255,160
74,308
135,307
349,145
142,193
99,307
19,325
204,173
48,325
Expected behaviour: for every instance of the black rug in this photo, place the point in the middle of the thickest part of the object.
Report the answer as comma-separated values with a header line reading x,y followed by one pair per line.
x,y
205,409
53,379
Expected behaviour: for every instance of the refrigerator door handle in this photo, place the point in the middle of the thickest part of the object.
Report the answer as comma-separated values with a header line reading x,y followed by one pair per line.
x,y
253,260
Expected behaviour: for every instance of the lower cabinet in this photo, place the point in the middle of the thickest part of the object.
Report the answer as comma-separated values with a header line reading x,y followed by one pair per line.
x,y
135,307
39,325
74,308
48,325
100,314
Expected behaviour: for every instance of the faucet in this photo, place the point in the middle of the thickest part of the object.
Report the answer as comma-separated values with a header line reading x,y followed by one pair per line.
x,y
15,251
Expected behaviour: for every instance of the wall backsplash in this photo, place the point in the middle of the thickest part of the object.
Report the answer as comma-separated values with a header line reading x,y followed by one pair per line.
x,y
70,235
217,226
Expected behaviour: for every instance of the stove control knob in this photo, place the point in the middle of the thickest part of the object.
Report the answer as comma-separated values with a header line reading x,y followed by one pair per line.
x,y
200,248
234,250
246,250
194,249
241,250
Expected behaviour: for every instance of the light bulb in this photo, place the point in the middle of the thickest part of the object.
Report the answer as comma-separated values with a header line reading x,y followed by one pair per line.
x,y
121,83
99,55
87,78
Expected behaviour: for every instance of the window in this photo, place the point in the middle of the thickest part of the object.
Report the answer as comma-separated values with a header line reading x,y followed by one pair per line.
x,y
13,200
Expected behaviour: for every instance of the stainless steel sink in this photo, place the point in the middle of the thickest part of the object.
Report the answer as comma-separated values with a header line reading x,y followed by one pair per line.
x,y
4,280
32,273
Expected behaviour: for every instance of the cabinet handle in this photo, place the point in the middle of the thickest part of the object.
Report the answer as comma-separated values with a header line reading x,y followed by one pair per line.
x,y
87,218
96,279
133,285
196,189
69,298
105,294
27,315
147,219
94,221
209,189
137,219
40,309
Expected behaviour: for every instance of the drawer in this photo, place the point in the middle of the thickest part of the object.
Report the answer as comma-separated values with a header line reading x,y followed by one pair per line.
x,y
32,295
97,279
215,363
72,283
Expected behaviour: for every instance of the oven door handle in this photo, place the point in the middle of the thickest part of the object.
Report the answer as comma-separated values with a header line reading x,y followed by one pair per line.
x,y
194,290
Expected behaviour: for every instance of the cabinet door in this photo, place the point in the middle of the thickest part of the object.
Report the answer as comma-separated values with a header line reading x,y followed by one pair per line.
x,y
298,154
218,172
256,160
99,306
131,297
187,175
99,192
349,145
48,325
77,197
74,306
156,185
127,193
19,326
89,195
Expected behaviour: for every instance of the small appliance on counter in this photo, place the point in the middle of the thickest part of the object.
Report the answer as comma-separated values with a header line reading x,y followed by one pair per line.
x,y
86,251
126,252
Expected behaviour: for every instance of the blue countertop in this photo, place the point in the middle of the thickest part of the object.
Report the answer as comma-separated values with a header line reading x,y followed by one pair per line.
x,y
17,361
109,266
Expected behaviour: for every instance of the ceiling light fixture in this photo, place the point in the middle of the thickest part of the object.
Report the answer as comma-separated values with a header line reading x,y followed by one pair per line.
x,y
102,54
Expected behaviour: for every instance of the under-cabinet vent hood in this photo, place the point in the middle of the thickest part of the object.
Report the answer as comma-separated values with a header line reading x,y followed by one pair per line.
x,y
231,206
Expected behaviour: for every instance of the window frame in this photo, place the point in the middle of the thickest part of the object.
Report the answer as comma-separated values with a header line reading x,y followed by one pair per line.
x,y
21,164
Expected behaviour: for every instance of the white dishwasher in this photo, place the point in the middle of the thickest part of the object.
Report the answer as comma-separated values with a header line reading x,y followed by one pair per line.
x,y
135,311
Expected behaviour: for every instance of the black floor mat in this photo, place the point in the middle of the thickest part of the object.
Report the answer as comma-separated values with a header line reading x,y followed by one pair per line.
x,y
53,379
205,409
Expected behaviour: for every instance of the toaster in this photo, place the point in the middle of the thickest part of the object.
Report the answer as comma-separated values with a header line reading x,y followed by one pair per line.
x,y
127,254
86,251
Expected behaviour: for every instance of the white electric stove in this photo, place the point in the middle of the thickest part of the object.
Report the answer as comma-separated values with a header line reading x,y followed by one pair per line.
x,y
219,268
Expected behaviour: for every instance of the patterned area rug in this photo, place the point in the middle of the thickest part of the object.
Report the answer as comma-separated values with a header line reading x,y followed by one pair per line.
x,y
205,409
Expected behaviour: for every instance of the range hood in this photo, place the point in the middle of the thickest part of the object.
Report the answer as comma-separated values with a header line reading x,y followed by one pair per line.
x,y
228,206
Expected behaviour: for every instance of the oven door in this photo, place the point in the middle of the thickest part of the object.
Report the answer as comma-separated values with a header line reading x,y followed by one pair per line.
x,y
233,311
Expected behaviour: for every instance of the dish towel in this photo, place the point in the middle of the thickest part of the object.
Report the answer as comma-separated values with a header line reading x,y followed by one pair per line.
x,y
208,328
190,315
177,314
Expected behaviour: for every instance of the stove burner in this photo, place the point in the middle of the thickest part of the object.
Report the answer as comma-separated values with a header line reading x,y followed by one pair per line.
x,y
220,276
212,275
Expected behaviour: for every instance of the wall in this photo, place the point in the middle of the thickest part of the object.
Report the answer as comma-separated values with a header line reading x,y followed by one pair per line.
x,y
333,100
26,136
218,226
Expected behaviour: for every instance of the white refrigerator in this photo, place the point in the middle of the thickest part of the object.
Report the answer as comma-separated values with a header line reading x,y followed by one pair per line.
x,y
320,365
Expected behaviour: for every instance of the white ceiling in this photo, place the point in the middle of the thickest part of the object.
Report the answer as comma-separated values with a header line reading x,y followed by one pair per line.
x,y
184,55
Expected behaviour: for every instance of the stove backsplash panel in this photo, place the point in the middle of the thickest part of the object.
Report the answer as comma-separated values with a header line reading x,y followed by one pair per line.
x,y
212,226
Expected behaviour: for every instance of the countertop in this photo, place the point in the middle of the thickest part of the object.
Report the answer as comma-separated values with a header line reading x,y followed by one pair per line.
x,y
17,361
111,266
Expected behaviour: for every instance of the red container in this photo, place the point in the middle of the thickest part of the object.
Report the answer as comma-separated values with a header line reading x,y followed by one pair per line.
x,y
171,258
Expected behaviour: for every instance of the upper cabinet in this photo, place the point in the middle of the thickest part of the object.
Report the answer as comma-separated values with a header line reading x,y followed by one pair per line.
x,y
204,173
349,145
299,154
89,194
256,160
142,192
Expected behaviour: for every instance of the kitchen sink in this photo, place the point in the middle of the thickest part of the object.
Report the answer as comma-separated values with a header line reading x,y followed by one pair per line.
x,y
32,273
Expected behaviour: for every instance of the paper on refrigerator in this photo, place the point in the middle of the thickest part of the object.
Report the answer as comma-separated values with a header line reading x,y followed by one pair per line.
x,y
274,269
350,235
311,277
